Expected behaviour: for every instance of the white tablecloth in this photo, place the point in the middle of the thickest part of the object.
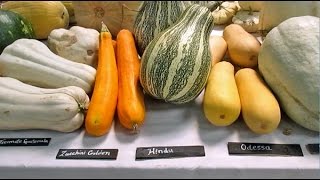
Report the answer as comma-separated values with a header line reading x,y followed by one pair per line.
x,y
165,125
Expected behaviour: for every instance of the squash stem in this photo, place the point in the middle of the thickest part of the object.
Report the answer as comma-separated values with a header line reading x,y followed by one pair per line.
x,y
214,5
104,27
135,129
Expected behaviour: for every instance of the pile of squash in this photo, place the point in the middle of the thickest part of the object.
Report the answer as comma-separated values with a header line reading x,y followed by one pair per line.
x,y
63,68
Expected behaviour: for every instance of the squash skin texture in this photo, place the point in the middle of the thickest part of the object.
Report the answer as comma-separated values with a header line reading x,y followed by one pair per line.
x,y
289,62
259,107
26,107
221,102
31,62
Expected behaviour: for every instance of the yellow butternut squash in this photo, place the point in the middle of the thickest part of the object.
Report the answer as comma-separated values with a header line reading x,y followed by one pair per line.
x,y
260,109
221,102
243,47
218,48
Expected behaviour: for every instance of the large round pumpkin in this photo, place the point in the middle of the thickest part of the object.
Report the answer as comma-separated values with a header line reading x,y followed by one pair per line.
x,y
116,15
289,62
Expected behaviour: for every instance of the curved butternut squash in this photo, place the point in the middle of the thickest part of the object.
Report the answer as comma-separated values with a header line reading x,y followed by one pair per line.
x,y
221,102
260,109
218,48
243,47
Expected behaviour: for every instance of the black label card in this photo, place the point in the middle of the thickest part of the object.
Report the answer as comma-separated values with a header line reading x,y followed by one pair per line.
x,y
235,148
313,148
87,154
24,141
161,152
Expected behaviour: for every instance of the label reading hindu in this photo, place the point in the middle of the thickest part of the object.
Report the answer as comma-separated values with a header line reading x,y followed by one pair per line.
x,y
169,152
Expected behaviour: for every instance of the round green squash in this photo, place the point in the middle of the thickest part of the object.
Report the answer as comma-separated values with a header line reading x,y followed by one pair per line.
x,y
13,27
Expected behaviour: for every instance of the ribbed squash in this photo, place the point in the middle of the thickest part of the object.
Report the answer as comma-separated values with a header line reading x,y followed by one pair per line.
x,y
43,15
289,62
176,64
154,17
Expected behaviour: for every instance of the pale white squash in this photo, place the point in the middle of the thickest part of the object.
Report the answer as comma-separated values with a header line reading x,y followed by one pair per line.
x,y
289,62
28,107
77,44
32,62
224,13
116,15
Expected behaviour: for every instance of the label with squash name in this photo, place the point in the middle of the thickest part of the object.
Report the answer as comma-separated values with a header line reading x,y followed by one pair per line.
x,y
24,141
87,154
242,148
162,152
313,148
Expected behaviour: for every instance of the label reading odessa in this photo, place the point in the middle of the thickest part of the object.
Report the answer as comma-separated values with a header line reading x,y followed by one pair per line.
x,y
264,149
87,154
313,148
169,152
24,141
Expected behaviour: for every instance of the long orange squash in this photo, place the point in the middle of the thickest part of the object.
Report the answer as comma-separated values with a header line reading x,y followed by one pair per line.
x,y
103,102
131,107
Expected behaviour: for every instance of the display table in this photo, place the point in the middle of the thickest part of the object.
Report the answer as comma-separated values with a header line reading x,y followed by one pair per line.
x,y
165,125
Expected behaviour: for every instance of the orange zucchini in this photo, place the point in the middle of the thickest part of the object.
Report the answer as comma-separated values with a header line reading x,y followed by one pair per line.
x,y
130,107
103,102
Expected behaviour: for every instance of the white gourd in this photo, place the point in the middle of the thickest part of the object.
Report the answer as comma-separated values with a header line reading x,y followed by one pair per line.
x,y
77,44
289,62
224,13
23,107
32,62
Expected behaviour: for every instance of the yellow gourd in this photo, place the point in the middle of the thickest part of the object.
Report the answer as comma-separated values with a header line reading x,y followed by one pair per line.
x,y
221,102
44,16
260,109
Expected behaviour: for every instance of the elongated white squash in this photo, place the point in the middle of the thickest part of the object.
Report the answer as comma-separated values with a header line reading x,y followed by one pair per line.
x,y
23,106
31,62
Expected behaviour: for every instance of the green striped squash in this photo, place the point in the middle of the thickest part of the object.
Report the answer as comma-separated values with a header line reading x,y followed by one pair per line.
x,y
176,64
153,17
12,27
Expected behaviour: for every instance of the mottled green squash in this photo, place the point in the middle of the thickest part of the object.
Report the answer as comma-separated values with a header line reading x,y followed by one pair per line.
x,y
176,64
154,17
